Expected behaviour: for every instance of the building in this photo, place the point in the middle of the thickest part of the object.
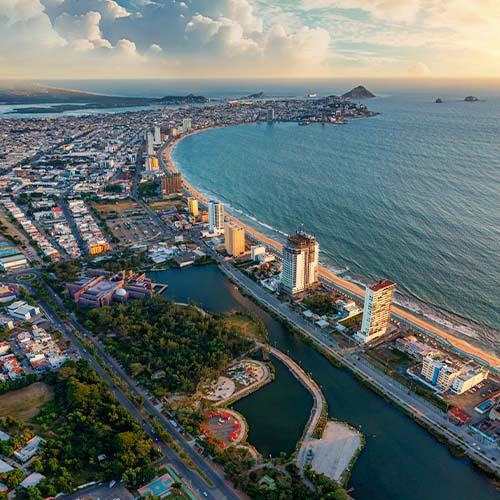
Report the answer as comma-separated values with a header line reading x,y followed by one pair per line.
x,y
187,124
257,251
104,289
171,184
215,216
376,311
22,310
193,209
468,378
300,263
270,114
234,239
151,163
29,450
13,262
156,135
150,144
445,374
7,293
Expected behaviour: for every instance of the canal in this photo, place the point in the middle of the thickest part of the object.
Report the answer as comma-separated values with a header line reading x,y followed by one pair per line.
x,y
400,461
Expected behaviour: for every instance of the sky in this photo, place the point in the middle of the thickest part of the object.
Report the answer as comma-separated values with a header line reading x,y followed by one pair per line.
x,y
49,39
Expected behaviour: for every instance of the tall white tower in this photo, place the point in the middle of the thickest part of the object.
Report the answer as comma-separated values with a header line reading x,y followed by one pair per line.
x,y
150,144
156,135
215,216
377,310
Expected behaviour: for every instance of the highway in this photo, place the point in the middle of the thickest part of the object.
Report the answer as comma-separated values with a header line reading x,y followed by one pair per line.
x,y
221,489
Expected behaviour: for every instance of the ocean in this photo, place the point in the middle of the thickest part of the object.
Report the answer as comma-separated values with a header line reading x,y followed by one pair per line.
x,y
412,194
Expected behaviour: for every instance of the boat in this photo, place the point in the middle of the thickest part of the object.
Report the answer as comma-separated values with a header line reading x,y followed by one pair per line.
x,y
312,95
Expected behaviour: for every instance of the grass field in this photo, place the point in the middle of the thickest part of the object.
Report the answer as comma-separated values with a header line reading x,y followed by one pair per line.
x,y
24,404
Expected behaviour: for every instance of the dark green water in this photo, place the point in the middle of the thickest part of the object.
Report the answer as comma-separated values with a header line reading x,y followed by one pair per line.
x,y
400,460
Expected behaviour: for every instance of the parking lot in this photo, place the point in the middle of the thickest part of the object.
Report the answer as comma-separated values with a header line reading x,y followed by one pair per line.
x,y
128,222
134,229
469,400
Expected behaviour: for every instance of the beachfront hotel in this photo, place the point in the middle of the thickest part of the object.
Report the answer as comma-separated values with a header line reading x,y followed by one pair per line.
x,y
215,216
377,311
193,208
234,239
300,263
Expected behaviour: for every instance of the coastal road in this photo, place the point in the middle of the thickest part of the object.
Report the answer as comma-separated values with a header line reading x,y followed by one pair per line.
x,y
487,454
221,490
420,324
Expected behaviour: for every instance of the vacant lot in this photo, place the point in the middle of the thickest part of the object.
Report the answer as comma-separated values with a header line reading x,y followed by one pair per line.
x,y
167,204
105,209
24,404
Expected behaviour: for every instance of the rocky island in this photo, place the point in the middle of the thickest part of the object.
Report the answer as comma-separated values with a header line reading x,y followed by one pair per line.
x,y
439,100
359,92
257,95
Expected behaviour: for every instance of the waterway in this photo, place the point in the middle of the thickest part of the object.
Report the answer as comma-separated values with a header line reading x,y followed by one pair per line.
x,y
400,461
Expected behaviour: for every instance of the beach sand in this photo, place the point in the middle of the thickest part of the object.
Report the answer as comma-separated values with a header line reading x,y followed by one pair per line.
x,y
463,346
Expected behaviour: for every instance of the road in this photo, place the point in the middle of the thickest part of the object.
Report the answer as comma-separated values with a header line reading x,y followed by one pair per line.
x,y
398,314
485,453
221,489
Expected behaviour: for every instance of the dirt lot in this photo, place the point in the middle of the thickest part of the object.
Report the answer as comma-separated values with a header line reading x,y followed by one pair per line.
x,y
167,204
23,404
120,206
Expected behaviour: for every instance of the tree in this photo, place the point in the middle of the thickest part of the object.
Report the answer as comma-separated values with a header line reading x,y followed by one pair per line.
x,y
13,478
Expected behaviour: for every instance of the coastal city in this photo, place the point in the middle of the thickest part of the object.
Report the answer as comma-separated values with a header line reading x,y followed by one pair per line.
x,y
92,212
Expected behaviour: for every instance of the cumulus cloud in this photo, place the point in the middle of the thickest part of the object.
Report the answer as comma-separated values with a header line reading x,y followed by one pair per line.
x,y
82,31
102,38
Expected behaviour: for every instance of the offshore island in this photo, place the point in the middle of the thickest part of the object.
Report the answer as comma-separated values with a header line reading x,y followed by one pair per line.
x,y
100,232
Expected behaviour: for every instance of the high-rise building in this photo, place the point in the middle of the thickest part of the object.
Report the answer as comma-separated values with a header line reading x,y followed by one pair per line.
x,y
193,207
150,144
234,239
157,135
270,114
300,263
377,310
171,184
187,124
151,163
215,216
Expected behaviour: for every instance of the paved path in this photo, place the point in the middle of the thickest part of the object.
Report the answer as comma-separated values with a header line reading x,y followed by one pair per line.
x,y
319,404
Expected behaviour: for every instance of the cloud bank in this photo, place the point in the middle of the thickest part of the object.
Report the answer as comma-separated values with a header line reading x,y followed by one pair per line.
x,y
242,38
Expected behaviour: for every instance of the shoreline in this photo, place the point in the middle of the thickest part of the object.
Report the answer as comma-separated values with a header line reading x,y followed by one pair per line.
x,y
423,325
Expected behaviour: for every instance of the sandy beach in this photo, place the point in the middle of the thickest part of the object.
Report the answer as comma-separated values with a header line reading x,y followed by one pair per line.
x,y
461,346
